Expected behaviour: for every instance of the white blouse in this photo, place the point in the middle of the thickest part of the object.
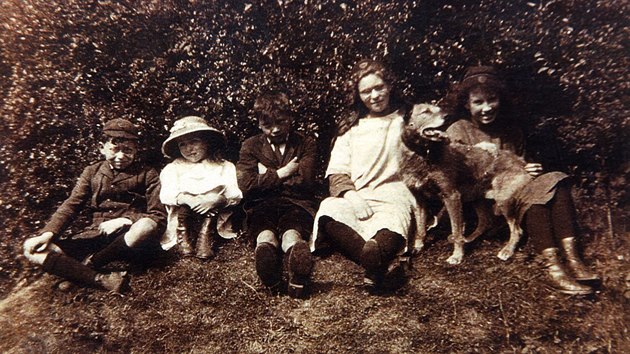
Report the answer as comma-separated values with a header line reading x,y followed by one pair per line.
x,y
182,176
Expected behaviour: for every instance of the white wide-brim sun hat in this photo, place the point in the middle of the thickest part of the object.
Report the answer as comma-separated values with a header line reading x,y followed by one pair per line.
x,y
188,125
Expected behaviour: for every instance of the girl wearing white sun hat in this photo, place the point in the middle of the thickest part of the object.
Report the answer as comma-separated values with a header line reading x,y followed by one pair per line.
x,y
198,183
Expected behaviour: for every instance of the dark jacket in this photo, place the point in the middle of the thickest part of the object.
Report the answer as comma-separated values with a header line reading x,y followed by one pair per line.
x,y
133,194
298,189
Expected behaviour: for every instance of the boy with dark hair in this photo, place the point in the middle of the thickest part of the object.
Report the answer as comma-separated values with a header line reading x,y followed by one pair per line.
x,y
276,173
127,216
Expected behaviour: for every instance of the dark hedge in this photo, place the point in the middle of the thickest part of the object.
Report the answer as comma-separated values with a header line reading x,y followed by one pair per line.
x,y
68,66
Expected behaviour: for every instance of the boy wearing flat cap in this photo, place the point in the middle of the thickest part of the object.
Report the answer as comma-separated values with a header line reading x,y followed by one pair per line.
x,y
127,216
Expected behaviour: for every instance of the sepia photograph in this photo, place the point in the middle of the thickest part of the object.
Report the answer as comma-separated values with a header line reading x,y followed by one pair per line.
x,y
314,176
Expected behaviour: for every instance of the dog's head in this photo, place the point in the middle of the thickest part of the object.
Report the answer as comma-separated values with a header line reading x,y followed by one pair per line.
x,y
425,124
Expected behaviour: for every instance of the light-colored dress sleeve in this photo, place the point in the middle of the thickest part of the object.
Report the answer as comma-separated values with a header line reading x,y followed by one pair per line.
x,y
340,157
232,193
169,180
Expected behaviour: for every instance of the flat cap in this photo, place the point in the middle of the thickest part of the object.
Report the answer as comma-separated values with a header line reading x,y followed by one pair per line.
x,y
120,128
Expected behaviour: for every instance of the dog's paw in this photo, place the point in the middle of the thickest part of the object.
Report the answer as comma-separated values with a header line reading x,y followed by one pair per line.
x,y
454,259
458,254
505,253
418,246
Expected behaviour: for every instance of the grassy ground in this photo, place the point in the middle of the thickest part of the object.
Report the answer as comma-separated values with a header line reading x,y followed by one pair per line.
x,y
483,305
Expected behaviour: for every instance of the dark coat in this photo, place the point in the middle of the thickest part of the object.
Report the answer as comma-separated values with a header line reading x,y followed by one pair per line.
x,y
133,194
297,189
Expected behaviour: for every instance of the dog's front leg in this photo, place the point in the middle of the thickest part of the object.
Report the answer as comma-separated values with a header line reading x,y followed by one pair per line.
x,y
453,204
420,214
515,235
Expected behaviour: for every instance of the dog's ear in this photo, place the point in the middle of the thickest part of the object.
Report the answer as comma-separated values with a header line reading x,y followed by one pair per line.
x,y
421,108
407,115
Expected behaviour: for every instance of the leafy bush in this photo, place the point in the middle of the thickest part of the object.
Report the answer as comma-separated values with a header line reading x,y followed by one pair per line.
x,y
69,66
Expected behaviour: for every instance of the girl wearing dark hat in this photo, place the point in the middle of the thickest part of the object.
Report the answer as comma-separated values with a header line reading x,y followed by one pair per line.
x,y
368,213
481,103
198,182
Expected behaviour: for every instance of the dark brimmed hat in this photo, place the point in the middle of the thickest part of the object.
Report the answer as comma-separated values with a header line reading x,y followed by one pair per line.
x,y
120,128
185,126
480,75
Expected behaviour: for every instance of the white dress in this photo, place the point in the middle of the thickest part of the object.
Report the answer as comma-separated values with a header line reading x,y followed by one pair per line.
x,y
182,176
370,153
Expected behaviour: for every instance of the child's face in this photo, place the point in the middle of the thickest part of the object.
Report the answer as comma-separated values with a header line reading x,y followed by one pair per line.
x,y
374,93
193,148
483,106
277,130
119,153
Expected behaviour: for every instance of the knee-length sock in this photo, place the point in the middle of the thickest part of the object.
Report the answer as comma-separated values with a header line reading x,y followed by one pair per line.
x,y
116,250
343,238
68,268
539,228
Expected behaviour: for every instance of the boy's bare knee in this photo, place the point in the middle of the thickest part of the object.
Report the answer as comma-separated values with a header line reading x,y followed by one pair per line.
x,y
139,231
290,238
267,236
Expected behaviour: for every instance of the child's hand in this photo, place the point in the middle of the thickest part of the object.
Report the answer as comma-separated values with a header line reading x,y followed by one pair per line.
x,y
208,202
38,243
534,169
262,169
185,199
289,169
362,209
110,226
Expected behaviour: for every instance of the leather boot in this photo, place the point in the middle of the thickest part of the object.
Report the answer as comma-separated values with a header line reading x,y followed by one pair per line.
x,y
183,240
268,266
579,270
73,270
204,241
560,280
377,255
116,282
300,265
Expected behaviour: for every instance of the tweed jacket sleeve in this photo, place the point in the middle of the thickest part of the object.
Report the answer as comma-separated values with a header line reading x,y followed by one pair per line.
x,y
305,150
248,176
78,198
155,210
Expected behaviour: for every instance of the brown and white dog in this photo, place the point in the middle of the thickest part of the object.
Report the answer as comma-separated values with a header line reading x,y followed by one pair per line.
x,y
433,166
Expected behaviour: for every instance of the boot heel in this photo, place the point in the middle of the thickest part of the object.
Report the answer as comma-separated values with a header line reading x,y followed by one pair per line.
x,y
579,270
